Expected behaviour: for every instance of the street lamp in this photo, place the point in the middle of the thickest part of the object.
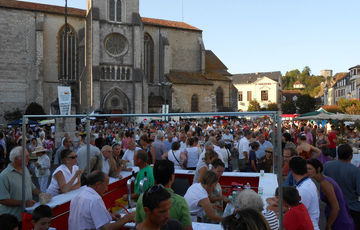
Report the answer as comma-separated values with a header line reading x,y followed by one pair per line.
x,y
295,98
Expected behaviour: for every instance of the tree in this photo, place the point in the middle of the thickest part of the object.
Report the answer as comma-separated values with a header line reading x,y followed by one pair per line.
x,y
349,106
254,106
332,108
272,107
288,107
305,103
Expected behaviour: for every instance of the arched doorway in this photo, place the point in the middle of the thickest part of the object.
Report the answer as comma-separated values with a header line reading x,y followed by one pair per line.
x,y
115,101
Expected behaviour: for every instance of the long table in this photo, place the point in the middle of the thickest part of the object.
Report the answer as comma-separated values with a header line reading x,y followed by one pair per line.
x,y
60,204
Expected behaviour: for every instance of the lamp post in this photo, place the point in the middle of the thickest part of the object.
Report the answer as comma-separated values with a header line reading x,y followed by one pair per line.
x,y
295,99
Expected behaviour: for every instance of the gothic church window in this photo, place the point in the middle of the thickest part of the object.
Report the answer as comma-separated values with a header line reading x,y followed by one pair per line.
x,y
116,44
148,61
68,54
194,103
115,10
219,97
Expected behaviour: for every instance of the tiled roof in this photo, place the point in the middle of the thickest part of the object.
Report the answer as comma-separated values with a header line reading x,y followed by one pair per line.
x,y
41,8
297,83
188,78
215,76
291,91
169,24
248,78
340,76
357,66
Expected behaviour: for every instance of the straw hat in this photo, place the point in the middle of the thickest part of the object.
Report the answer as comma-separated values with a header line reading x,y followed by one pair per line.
x,y
39,149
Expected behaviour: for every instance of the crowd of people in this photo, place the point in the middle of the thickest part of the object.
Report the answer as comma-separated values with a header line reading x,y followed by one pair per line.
x,y
312,155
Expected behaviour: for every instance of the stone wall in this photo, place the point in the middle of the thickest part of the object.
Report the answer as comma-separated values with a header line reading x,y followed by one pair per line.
x,y
181,97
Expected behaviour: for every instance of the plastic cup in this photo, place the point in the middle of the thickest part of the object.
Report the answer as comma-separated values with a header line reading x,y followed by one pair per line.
x,y
262,173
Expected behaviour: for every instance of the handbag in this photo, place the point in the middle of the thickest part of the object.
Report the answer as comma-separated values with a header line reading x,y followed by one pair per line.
x,y
182,165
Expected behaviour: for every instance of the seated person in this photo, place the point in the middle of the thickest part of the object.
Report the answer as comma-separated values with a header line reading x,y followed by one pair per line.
x,y
87,209
157,204
297,217
105,163
164,174
41,218
250,199
197,197
140,160
245,219
66,177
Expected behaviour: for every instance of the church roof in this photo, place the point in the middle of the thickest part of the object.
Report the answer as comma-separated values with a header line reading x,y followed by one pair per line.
x,y
188,78
214,64
41,8
168,24
248,78
215,76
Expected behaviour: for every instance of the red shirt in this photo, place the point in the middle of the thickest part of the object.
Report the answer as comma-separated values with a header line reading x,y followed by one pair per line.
x,y
332,137
297,218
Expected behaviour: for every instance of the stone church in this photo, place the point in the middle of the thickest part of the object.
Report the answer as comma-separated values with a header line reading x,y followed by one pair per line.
x,y
114,60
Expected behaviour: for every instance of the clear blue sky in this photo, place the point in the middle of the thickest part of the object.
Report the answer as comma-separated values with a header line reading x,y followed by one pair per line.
x,y
267,35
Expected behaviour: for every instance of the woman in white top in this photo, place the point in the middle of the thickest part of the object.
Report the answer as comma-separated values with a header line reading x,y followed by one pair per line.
x,y
175,155
192,154
67,176
42,168
197,197
204,165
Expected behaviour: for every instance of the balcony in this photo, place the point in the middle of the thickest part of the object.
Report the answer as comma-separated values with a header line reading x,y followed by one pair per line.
x,y
115,73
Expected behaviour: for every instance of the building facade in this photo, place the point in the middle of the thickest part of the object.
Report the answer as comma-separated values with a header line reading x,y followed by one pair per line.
x,y
114,60
262,87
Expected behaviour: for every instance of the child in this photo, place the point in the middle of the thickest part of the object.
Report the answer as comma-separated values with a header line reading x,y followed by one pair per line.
x,y
42,170
41,218
297,217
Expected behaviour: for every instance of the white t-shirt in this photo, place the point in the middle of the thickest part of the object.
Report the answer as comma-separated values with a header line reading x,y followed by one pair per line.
x,y
309,197
176,161
53,188
129,155
193,195
202,155
88,211
243,147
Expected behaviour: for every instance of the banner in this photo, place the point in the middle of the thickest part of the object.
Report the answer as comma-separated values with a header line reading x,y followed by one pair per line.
x,y
64,95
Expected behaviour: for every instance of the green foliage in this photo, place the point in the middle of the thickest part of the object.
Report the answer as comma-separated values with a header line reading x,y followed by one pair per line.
x,y
305,103
253,106
311,82
13,115
272,107
288,107
349,106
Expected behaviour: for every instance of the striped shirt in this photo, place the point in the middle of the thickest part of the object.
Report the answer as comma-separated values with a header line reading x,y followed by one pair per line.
x,y
272,220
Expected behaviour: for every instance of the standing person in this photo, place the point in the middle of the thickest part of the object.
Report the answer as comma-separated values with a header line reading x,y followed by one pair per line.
x,y
170,139
164,174
130,152
332,141
226,155
197,197
82,153
87,209
337,211
306,150
158,147
193,153
266,162
204,165
264,144
76,141
140,160
347,176
175,155
66,177
323,143
308,134
228,138
307,189
66,144
42,168
157,206
243,149
252,167
11,183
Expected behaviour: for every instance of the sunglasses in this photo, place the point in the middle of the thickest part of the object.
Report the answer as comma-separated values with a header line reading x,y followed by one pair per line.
x,y
73,157
268,151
